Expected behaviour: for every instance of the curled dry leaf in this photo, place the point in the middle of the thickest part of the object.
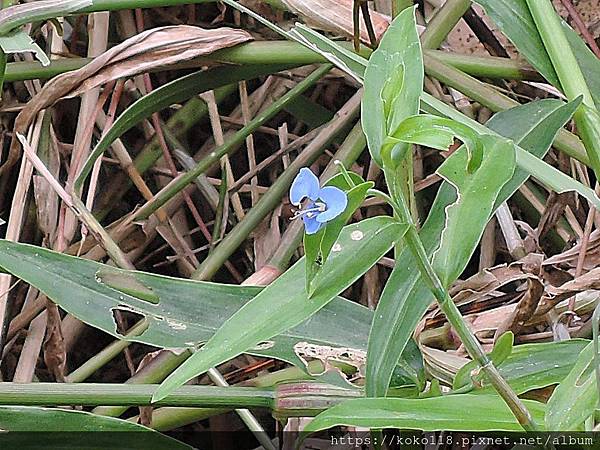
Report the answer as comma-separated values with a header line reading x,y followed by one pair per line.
x,y
524,309
569,257
153,48
336,16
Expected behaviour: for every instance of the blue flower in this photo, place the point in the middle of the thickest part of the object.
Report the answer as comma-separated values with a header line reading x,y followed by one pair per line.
x,y
325,203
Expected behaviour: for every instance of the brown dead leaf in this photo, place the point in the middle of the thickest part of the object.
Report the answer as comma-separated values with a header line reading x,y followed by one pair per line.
x,y
55,354
554,295
555,208
267,238
524,309
153,48
569,257
336,16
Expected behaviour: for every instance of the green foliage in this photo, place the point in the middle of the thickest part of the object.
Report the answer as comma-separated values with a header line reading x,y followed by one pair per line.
x,y
270,312
462,412
514,19
72,429
527,367
576,397
171,306
405,298
393,84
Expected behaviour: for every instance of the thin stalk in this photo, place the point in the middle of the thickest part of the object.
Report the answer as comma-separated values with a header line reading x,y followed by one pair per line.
x,y
92,394
2,71
155,372
182,181
457,322
105,356
443,22
247,417
192,112
570,76
284,52
273,196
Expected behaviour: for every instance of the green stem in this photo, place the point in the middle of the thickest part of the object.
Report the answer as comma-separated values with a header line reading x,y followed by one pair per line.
x,y
182,181
456,320
443,22
91,394
570,76
105,356
2,72
155,372
3,4
285,52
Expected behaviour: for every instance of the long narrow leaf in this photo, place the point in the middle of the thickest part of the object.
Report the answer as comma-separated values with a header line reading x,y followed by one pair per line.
x,y
285,302
451,413
406,298
28,426
174,92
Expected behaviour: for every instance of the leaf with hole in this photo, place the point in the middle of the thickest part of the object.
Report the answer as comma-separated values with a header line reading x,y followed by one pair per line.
x,y
171,317
285,302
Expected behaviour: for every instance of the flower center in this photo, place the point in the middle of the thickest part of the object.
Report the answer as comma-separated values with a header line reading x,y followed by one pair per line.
x,y
314,210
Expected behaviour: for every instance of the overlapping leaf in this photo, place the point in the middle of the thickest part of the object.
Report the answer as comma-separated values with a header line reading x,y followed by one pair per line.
x,y
285,302
393,85
406,297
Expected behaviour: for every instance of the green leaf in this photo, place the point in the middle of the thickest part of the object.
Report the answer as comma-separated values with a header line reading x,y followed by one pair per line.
x,y
406,297
529,366
462,412
17,15
21,42
576,397
168,94
477,193
588,62
177,303
393,84
439,133
502,349
285,303
317,247
515,21
22,426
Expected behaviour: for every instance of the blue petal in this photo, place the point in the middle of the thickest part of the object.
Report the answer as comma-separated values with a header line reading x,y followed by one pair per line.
x,y
306,184
336,201
311,225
